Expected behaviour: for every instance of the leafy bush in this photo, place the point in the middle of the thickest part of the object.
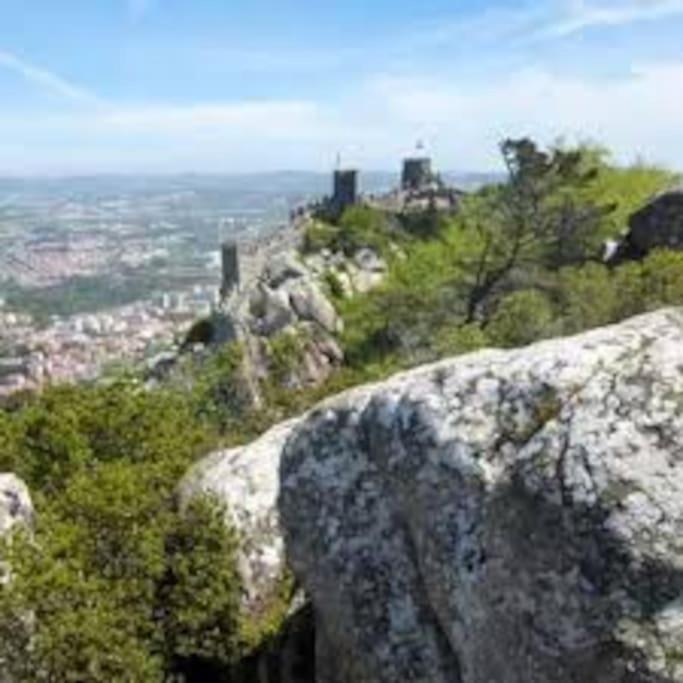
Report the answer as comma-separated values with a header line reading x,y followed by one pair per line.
x,y
453,341
285,353
116,584
91,589
535,238
360,226
521,318
663,278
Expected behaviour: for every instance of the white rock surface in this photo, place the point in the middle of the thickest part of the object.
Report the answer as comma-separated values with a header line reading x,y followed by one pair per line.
x,y
504,517
246,481
15,503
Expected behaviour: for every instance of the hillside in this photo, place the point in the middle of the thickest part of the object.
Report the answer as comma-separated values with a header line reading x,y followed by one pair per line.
x,y
120,581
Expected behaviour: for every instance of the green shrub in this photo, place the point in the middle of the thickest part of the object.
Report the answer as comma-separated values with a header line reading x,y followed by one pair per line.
x,y
360,226
221,392
318,236
589,297
334,285
121,586
521,318
459,339
663,278
285,353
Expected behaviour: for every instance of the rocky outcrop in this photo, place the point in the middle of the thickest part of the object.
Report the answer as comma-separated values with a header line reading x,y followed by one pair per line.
x,y
287,298
508,517
365,271
658,224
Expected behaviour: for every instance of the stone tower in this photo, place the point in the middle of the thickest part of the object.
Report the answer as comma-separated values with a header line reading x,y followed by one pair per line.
x,y
230,268
417,173
345,191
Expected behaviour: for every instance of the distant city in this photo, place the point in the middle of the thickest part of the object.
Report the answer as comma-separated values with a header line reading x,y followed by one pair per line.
x,y
103,272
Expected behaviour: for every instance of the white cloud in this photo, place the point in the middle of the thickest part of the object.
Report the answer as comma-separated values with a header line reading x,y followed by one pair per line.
x,y
45,79
635,114
585,14
639,113
265,119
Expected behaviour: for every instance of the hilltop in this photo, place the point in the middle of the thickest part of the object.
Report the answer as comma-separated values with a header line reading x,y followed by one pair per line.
x,y
127,583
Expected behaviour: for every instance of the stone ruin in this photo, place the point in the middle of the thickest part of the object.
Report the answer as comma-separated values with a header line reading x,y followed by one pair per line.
x,y
417,174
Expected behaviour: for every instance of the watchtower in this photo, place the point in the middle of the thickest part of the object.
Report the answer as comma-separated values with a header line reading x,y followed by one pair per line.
x,y
417,173
345,192
230,267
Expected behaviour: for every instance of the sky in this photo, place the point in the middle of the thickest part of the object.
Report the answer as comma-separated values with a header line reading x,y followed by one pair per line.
x,y
168,86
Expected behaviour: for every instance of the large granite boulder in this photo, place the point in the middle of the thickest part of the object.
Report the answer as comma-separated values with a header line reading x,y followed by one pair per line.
x,y
657,224
504,517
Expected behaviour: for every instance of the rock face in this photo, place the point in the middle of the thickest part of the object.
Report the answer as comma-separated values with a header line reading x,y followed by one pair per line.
x,y
358,275
286,297
658,224
504,517
15,503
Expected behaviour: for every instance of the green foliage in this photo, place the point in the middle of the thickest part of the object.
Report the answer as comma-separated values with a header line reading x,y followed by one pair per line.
x,y
625,190
285,352
220,388
588,297
516,263
426,224
360,226
51,438
334,285
117,585
120,586
318,236
459,339
91,590
594,295
540,217
200,594
521,318
663,278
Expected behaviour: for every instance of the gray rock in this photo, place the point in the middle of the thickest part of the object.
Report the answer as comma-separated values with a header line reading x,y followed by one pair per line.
x,y
310,304
15,503
284,267
369,260
658,224
271,311
364,281
504,517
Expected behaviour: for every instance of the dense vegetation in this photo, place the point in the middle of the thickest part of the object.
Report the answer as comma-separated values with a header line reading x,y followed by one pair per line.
x,y
117,584
520,262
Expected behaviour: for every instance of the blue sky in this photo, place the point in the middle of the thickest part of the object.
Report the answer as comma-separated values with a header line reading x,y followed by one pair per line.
x,y
92,86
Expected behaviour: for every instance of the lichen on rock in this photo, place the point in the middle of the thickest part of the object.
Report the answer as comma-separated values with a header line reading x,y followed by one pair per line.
x,y
506,516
